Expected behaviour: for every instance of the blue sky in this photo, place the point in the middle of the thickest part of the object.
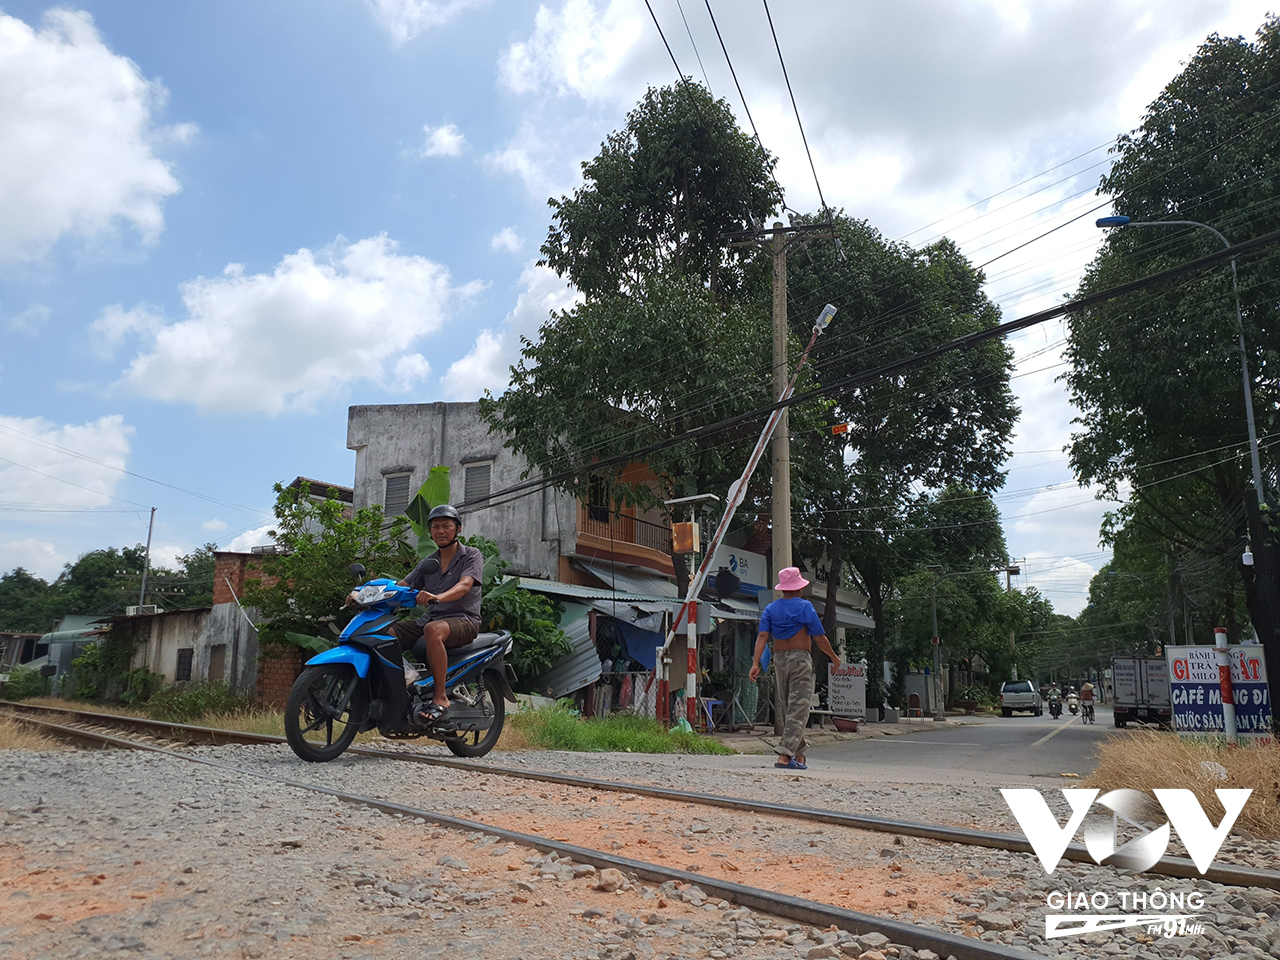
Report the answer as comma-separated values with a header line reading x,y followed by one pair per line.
x,y
221,224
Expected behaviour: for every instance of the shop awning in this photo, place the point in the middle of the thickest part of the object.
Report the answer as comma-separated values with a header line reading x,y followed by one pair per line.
x,y
632,580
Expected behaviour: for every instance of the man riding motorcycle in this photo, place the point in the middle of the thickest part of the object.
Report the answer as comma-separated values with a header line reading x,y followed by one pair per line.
x,y
451,594
1055,701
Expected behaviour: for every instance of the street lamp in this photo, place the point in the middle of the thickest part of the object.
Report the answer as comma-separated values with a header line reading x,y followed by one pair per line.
x,y
1106,222
939,710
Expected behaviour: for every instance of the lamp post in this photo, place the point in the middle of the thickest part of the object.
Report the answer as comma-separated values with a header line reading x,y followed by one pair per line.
x,y
1106,222
939,710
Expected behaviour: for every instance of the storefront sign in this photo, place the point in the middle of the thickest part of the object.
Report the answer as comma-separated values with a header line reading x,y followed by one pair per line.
x,y
847,690
1197,694
750,568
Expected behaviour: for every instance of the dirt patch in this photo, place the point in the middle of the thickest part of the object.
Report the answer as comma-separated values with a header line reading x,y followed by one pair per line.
x,y
836,865
54,895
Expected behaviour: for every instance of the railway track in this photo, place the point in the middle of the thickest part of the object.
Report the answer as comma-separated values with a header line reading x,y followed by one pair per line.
x,y
1178,867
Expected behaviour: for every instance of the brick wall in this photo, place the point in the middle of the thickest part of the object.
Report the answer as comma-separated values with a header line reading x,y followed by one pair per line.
x,y
276,672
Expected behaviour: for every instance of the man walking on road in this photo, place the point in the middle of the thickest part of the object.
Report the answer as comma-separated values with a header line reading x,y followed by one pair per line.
x,y
794,626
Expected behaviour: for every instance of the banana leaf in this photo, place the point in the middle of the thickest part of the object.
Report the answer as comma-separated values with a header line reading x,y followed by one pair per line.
x,y
310,644
432,493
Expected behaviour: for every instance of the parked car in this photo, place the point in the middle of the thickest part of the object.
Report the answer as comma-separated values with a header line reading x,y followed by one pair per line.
x,y
1020,695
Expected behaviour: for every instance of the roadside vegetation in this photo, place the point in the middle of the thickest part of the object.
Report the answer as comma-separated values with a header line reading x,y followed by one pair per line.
x,y
1149,760
560,728
15,736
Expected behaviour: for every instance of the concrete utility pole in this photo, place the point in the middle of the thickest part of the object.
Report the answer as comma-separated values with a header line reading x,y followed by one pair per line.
x,y
146,565
777,240
781,490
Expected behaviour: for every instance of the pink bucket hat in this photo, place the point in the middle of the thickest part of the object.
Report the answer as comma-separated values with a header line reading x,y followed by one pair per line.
x,y
789,579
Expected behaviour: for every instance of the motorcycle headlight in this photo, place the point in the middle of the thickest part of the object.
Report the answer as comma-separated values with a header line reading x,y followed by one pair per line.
x,y
370,594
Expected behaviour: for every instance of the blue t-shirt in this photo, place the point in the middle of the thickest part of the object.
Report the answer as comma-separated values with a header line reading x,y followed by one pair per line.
x,y
783,618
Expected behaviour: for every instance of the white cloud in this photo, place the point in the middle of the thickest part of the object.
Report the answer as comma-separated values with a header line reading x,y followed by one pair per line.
x,y
257,537
30,320
115,324
76,138
506,239
1063,580
410,370
579,49
271,342
547,168
52,477
405,19
487,364
445,141
35,556
215,525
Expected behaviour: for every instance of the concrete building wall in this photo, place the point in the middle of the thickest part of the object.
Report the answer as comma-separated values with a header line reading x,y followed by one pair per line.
x,y
532,532
160,637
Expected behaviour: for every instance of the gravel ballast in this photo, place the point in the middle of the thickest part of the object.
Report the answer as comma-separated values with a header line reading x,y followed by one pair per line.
x,y
131,854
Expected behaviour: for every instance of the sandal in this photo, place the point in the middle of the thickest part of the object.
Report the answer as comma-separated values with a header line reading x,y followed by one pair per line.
x,y
791,764
432,713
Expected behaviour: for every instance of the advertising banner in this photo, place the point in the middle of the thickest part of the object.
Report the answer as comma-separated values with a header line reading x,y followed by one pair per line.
x,y
1197,695
847,690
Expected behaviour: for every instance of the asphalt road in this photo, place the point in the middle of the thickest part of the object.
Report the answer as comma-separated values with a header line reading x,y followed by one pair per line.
x,y
1018,750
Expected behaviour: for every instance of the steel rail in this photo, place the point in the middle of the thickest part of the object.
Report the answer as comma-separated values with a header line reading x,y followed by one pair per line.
x,y
779,904
1178,867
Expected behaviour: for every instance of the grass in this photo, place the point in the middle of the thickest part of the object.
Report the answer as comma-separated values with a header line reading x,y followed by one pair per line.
x,y
1149,760
557,728
17,736
548,728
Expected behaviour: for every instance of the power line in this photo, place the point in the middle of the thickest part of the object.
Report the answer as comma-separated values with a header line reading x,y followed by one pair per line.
x,y
741,96
965,342
803,138
664,40
693,43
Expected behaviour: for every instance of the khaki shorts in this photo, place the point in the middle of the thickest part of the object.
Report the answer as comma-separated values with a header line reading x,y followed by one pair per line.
x,y
461,632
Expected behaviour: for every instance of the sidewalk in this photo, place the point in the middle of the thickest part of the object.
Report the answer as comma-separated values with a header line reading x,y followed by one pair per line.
x,y
762,739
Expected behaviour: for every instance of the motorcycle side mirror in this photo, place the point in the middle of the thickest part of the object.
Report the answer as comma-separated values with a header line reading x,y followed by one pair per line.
x,y
431,566
357,571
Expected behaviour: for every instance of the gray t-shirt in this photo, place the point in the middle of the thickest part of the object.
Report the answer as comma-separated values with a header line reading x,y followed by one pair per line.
x,y
467,562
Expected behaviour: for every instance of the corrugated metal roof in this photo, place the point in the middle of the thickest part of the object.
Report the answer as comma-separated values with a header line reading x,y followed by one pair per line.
x,y
579,592
731,608
638,582
582,665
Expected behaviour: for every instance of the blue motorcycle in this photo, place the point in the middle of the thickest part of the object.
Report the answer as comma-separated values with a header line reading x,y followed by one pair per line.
x,y
364,683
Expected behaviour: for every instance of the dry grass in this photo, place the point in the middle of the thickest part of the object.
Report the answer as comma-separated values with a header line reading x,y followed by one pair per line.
x,y
118,710
18,736
1149,760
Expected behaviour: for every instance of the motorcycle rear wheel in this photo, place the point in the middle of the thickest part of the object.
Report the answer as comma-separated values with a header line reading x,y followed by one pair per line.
x,y
476,743
320,715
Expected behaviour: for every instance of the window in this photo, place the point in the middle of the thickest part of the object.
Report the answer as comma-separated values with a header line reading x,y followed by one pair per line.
x,y
598,500
182,672
396,499
475,488
217,661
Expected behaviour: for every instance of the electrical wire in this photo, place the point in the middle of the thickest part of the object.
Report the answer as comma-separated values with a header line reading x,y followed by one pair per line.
x,y
664,41
693,43
805,140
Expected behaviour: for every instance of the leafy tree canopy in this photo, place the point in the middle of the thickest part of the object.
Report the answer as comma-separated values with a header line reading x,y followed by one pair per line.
x,y
1156,375
658,197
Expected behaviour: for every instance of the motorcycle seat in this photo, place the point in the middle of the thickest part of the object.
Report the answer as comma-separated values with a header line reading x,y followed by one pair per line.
x,y
486,641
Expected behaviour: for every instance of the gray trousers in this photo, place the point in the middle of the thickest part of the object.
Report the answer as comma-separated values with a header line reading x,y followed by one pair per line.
x,y
794,672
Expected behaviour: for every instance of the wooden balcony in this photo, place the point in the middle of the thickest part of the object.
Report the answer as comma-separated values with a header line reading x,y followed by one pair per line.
x,y
623,538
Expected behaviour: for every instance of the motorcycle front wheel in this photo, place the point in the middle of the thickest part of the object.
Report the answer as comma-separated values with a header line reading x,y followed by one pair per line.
x,y
486,694
320,716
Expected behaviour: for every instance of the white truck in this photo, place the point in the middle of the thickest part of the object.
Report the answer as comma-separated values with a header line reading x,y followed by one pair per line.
x,y
1140,691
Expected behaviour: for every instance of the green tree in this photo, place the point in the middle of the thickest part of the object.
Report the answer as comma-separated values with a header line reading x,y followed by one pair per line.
x,y
1156,375
945,422
531,618
673,331
660,195
25,602
196,577
300,589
